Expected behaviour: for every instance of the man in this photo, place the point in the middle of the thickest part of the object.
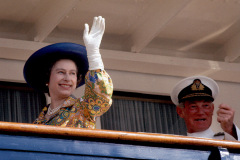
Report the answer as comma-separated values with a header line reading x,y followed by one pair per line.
x,y
194,98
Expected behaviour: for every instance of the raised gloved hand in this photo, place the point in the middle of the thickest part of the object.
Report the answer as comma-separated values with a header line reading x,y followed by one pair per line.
x,y
92,41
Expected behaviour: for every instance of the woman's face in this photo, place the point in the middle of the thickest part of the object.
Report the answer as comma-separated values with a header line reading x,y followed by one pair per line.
x,y
63,79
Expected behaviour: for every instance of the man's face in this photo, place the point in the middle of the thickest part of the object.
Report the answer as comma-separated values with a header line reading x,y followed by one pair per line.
x,y
197,115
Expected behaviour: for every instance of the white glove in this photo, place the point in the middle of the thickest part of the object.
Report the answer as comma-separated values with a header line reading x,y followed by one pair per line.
x,y
92,42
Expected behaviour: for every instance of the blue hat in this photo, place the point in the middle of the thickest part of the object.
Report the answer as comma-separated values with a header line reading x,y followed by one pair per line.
x,y
36,68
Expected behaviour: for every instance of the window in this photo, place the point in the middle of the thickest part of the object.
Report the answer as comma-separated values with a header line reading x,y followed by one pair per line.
x,y
19,103
137,112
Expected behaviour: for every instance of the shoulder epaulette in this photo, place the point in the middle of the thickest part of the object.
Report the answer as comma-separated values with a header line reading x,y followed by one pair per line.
x,y
219,134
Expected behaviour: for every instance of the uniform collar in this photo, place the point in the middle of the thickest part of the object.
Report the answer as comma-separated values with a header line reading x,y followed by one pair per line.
x,y
204,134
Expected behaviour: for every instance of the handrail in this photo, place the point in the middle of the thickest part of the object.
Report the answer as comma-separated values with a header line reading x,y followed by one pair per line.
x,y
114,135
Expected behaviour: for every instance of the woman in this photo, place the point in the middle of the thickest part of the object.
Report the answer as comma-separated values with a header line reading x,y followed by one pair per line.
x,y
60,68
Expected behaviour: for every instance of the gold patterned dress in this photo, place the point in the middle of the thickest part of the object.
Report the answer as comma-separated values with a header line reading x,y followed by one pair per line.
x,y
82,112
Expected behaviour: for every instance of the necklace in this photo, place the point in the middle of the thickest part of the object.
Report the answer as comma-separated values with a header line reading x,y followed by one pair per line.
x,y
51,111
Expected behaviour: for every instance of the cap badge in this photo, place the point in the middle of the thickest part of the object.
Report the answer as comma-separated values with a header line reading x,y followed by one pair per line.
x,y
197,85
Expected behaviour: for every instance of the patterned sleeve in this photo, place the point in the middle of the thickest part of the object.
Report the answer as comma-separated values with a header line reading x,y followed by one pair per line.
x,y
98,92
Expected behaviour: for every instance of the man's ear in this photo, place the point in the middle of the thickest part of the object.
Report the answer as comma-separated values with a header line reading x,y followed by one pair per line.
x,y
179,111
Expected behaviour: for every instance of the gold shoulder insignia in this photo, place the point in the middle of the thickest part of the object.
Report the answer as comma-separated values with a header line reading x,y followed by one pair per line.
x,y
219,134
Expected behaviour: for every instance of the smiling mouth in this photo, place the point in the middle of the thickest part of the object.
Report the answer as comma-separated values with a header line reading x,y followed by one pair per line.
x,y
64,85
200,119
